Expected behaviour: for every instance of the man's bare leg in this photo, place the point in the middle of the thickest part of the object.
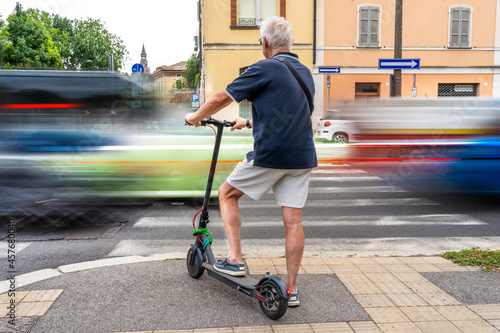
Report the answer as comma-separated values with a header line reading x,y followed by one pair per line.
x,y
294,246
231,217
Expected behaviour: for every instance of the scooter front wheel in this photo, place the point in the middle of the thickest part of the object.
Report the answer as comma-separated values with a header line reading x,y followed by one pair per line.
x,y
193,261
275,304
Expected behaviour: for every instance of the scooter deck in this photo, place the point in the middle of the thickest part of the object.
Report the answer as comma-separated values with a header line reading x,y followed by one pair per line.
x,y
246,281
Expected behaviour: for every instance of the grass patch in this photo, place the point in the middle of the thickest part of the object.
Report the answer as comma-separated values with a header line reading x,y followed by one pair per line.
x,y
488,259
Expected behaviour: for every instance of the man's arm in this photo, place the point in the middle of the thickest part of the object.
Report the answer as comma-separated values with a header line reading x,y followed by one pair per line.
x,y
219,101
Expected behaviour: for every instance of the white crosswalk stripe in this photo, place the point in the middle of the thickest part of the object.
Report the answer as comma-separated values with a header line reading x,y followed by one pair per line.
x,y
331,181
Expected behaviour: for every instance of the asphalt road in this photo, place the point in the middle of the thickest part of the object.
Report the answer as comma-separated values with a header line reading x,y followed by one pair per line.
x,y
353,209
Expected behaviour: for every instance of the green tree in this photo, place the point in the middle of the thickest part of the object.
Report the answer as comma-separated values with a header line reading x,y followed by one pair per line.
x,y
192,72
27,43
92,41
38,39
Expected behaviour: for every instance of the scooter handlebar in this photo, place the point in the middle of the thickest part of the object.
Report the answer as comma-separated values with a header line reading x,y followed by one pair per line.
x,y
213,121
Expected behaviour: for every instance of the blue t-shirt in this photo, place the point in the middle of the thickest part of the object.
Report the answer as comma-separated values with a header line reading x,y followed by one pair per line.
x,y
281,119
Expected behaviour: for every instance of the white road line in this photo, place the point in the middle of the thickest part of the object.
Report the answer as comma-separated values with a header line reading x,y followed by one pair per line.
x,y
19,246
322,221
323,247
337,171
341,179
355,189
350,203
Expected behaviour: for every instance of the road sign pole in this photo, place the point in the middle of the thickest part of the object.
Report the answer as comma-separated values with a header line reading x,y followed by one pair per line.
x,y
328,84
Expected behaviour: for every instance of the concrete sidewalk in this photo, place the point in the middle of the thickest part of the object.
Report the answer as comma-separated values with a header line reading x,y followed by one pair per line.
x,y
151,294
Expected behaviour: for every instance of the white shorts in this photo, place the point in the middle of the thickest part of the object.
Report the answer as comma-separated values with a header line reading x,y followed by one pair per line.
x,y
290,186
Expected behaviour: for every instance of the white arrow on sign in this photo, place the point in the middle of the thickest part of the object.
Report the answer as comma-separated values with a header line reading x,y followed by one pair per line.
x,y
401,63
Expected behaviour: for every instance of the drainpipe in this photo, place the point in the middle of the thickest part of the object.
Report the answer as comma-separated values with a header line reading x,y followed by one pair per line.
x,y
314,33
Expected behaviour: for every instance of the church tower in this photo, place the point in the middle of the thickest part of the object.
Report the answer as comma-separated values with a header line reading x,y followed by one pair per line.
x,y
144,60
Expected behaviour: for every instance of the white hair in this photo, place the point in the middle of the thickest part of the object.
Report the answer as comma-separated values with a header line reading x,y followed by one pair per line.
x,y
278,33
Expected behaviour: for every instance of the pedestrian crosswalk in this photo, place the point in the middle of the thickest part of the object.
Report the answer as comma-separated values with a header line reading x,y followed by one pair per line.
x,y
349,212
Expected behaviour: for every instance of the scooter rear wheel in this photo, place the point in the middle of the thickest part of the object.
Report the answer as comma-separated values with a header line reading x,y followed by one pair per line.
x,y
276,304
194,267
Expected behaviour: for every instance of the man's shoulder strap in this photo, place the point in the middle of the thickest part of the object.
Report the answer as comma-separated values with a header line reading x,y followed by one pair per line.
x,y
300,81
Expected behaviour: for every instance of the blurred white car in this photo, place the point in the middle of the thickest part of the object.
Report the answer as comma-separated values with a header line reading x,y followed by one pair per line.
x,y
331,128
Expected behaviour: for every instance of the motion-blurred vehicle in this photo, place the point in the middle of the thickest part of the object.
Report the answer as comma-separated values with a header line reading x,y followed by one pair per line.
x,y
97,134
333,128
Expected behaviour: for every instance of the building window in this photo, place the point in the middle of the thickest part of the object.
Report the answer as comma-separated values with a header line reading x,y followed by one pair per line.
x,y
369,26
248,14
253,12
460,19
366,90
457,89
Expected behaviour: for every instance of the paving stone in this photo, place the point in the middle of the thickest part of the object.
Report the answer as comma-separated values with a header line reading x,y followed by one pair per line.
x,y
364,327
362,261
409,277
438,299
399,328
393,288
495,323
371,268
414,260
18,296
259,261
337,261
422,313
387,315
331,328
214,330
487,311
345,269
281,270
303,328
171,331
260,270
475,326
253,329
317,269
457,313
437,327
360,288
33,309
43,295
424,268
388,260
374,301
422,287
313,261
406,300
436,260
381,277
353,278
279,261
397,267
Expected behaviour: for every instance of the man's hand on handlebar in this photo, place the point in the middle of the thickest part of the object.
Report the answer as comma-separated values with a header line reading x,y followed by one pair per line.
x,y
240,123
190,122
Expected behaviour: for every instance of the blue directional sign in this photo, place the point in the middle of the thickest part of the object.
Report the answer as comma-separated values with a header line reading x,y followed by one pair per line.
x,y
137,68
195,98
329,70
399,64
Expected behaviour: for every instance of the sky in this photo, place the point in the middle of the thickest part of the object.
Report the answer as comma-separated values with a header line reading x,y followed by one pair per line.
x,y
166,27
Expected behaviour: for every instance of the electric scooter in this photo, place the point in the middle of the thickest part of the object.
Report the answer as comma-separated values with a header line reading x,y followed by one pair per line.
x,y
270,290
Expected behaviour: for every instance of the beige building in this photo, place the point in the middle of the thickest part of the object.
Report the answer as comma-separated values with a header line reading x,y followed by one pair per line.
x,y
456,41
162,82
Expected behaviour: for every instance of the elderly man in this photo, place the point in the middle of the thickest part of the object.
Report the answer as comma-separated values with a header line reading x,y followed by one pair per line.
x,y
284,152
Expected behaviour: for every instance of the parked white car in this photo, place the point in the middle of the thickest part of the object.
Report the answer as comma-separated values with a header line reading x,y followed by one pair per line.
x,y
331,128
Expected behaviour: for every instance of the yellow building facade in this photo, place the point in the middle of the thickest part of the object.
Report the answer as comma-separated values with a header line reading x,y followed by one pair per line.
x,y
456,41
230,40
